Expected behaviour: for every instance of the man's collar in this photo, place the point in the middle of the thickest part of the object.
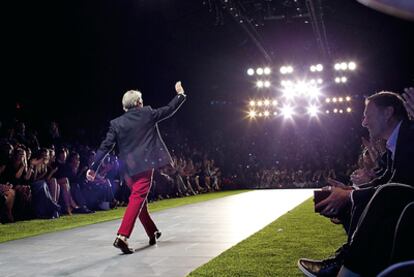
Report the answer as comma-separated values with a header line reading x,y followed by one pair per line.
x,y
392,140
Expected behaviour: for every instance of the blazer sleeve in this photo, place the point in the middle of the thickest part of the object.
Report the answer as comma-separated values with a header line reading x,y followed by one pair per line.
x,y
106,146
167,111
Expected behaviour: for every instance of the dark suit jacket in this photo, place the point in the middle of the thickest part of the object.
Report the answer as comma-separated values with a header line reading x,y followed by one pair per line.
x,y
136,133
399,170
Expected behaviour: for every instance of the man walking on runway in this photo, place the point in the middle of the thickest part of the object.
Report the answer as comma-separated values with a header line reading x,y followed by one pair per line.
x,y
142,150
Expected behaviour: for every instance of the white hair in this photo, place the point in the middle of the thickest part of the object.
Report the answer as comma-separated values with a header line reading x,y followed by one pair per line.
x,y
131,99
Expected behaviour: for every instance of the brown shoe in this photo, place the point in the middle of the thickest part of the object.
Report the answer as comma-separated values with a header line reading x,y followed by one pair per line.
x,y
123,245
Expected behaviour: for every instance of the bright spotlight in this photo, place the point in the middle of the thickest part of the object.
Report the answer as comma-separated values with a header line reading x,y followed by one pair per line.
x,y
348,109
340,99
312,68
327,111
320,81
250,71
344,66
286,69
259,84
259,103
334,99
328,100
266,113
351,65
260,114
301,88
287,111
313,92
337,66
267,84
335,110
319,67
348,98
289,92
275,113
312,110
286,83
259,71
274,102
337,80
252,103
312,81
344,79
341,111
267,70
266,102
252,113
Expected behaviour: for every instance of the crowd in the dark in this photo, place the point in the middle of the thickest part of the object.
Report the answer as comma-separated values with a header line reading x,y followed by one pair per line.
x,y
43,176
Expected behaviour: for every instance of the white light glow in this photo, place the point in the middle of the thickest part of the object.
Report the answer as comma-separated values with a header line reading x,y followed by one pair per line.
x,y
250,71
259,71
252,113
351,65
312,110
287,111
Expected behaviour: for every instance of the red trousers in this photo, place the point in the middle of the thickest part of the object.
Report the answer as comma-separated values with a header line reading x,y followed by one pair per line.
x,y
140,185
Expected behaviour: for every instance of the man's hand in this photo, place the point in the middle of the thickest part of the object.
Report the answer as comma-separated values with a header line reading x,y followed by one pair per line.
x,y
90,175
178,88
337,184
408,96
335,202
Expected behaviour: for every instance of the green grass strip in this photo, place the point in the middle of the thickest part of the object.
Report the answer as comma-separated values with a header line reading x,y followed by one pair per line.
x,y
274,250
23,229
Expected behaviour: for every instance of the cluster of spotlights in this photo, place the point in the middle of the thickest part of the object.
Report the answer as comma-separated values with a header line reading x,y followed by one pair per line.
x,y
263,84
336,110
259,71
307,89
339,99
345,66
264,102
316,68
342,79
287,111
286,69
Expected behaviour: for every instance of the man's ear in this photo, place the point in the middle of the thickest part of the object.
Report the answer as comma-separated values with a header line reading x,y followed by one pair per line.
x,y
389,112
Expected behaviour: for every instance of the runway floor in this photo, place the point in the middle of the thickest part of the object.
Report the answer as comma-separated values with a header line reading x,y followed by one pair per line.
x,y
191,236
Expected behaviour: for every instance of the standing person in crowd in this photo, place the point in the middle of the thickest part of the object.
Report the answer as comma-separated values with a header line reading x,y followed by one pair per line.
x,y
142,150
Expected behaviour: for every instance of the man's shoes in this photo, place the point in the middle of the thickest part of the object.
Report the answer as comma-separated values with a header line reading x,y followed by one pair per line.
x,y
320,268
153,239
123,245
